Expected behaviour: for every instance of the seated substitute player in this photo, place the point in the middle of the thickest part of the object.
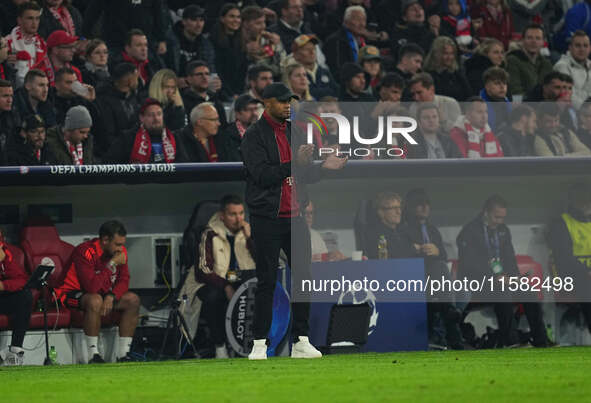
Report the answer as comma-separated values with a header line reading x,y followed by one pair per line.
x,y
97,283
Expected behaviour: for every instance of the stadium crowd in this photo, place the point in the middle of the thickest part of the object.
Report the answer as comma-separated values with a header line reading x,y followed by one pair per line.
x,y
94,81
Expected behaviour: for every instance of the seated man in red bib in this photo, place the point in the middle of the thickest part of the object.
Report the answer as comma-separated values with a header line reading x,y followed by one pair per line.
x,y
98,283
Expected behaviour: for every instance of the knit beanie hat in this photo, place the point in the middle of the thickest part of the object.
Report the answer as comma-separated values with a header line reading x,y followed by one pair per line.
x,y
78,117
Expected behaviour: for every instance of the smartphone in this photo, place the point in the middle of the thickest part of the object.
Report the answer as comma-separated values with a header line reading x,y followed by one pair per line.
x,y
79,89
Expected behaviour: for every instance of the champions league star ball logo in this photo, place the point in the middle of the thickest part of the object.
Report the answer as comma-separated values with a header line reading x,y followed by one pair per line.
x,y
360,297
390,126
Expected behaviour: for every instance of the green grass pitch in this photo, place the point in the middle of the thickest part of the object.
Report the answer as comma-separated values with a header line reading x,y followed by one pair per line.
x,y
519,375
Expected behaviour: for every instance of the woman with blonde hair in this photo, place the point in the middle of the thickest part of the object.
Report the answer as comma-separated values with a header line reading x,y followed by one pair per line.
x,y
442,64
490,53
294,76
164,88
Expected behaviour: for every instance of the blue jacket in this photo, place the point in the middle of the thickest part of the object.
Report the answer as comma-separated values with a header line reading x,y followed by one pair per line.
x,y
497,112
577,17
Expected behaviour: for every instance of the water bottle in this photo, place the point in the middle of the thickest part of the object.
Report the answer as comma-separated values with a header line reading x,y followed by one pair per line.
x,y
157,153
53,355
382,248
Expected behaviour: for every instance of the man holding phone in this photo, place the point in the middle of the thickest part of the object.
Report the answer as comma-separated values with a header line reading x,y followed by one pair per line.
x,y
97,283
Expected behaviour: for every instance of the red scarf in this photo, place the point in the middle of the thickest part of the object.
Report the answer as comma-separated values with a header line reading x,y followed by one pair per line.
x,y
212,152
31,52
62,14
142,147
2,73
241,128
482,143
77,153
142,67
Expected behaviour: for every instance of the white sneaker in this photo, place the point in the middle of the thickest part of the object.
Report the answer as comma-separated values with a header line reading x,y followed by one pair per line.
x,y
303,349
221,352
259,350
14,359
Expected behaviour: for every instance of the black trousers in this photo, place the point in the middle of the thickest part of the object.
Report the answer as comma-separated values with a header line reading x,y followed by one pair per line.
x,y
506,317
17,305
270,236
213,310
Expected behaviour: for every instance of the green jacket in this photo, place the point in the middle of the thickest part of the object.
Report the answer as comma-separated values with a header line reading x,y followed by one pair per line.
x,y
57,144
524,74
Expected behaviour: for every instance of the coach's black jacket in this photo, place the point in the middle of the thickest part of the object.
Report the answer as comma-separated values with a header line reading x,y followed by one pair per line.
x,y
473,253
265,173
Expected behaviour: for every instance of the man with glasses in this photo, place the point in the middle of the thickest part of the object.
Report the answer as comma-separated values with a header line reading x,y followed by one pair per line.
x,y
61,48
197,141
201,87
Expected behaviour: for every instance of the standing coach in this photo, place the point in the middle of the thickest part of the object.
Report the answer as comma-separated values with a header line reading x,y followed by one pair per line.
x,y
274,195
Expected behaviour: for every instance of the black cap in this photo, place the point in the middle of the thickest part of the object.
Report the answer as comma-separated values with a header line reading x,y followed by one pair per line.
x,y
32,122
243,101
279,91
350,70
193,12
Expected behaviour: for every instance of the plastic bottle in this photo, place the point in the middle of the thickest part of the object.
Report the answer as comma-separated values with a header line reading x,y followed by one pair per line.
x,y
53,355
158,153
382,248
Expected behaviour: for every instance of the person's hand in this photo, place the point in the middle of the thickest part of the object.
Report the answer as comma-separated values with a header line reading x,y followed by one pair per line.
x,y
176,99
229,290
11,59
477,24
216,83
107,305
272,37
182,82
118,258
434,24
246,229
430,249
334,163
2,254
335,256
269,14
161,48
305,153
91,94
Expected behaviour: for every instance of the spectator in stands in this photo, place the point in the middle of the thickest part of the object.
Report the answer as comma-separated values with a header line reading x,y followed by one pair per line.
x,y
576,64
136,52
259,76
320,78
343,46
319,250
371,63
25,43
198,91
15,302
30,147
60,49
410,61
226,248
497,21
164,89
9,118
422,89
553,139
231,61
198,141
7,71
353,84
68,92
119,17
72,143
576,18
60,15
119,104
261,45
494,94
518,136
489,53
151,143
412,28
442,63
526,65
568,238
473,135
584,131
32,98
433,143
291,22
488,251
558,89
390,88
456,24
97,282
95,71
389,211
194,45
246,112
294,76
428,243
